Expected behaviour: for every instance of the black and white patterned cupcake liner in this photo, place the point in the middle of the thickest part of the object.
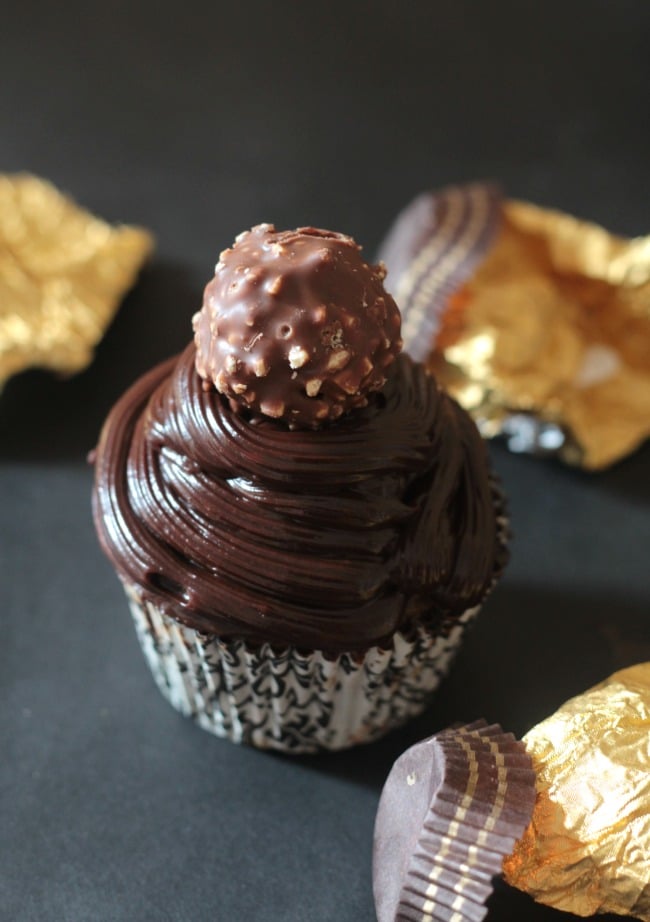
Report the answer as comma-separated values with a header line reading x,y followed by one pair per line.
x,y
289,700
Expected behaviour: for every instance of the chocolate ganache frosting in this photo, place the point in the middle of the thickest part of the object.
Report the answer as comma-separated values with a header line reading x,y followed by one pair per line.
x,y
236,524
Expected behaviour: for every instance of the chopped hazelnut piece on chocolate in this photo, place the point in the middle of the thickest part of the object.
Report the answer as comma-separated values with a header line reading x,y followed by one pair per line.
x,y
302,315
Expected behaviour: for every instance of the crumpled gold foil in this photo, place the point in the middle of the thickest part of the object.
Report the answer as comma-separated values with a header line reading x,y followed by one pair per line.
x,y
63,273
587,848
554,325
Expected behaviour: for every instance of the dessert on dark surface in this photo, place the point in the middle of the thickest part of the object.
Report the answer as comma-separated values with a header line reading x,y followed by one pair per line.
x,y
296,496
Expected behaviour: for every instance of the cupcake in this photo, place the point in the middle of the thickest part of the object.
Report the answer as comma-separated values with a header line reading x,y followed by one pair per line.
x,y
304,523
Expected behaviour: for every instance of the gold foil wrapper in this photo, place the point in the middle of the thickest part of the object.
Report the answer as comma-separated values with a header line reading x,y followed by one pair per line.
x,y
587,848
63,273
554,327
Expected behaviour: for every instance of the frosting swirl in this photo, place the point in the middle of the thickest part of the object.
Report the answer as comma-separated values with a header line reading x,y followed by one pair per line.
x,y
328,539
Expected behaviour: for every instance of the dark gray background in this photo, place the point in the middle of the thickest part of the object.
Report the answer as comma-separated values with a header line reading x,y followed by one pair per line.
x,y
198,120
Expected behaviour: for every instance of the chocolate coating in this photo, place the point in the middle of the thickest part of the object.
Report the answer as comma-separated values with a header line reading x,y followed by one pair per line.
x,y
325,539
296,326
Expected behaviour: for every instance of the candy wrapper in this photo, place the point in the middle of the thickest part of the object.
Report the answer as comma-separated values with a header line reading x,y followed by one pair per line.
x,y
587,849
538,323
565,813
63,273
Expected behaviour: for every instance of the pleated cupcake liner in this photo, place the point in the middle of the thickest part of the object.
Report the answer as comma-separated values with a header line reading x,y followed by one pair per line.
x,y
289,700
455,837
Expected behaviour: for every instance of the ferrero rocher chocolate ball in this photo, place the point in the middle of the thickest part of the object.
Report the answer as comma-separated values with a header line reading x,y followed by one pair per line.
x,y
296,326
